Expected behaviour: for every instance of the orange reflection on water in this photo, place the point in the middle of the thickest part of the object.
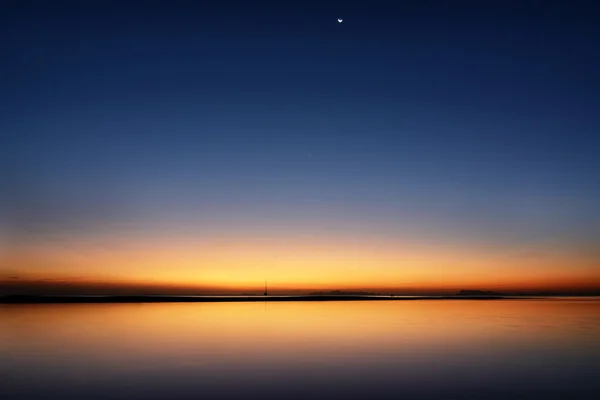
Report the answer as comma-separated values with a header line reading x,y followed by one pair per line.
x,y
284,332
226,350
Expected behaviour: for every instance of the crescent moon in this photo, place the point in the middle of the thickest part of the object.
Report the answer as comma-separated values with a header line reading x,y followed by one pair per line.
x,y
340,20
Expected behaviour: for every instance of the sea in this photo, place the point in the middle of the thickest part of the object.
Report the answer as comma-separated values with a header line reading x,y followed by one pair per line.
x,y
545,348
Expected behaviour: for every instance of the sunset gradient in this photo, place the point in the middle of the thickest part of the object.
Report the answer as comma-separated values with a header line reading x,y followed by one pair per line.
x,y
201,150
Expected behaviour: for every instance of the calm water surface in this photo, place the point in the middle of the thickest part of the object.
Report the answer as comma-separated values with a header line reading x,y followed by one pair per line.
x,y
398,349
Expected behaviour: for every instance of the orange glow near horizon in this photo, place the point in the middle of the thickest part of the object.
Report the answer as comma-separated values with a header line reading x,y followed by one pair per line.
x,y
300,263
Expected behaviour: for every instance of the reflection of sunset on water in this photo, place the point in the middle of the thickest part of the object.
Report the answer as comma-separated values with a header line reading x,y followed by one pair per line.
x,y
279,330
210,346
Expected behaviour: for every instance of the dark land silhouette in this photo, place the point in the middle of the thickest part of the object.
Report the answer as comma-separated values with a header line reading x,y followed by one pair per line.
x,y
344,293
33,299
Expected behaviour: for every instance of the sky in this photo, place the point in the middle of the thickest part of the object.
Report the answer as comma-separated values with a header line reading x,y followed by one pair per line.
x,y
197,147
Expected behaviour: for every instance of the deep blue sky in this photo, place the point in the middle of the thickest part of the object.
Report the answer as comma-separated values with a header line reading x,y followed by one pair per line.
x,y
472,119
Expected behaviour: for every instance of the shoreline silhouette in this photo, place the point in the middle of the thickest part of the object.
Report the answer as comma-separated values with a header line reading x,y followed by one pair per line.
x,y
37,299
